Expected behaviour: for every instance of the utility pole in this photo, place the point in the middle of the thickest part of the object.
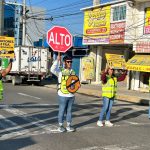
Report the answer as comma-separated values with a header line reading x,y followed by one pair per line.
x,y
24,23
1,17
96,2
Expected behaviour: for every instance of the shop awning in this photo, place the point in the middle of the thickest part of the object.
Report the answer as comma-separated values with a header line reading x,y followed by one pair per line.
x,y
139,63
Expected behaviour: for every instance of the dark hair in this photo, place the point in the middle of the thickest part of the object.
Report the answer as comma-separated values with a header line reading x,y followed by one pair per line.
x,y
67,58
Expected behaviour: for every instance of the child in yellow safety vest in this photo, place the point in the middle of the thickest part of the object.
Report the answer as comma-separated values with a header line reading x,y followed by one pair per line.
x,y
109,89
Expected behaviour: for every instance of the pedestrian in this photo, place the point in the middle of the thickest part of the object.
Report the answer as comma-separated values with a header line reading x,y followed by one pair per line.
x,y
3,73
65,98
109,89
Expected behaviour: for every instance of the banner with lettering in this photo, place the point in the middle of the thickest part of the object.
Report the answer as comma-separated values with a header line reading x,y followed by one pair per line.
x,y
6,47
97,25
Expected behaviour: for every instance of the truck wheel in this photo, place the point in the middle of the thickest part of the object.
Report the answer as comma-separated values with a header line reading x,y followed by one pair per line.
x,y
14,81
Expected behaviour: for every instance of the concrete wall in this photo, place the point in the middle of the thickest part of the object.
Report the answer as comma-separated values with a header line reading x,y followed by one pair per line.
x,y
136,22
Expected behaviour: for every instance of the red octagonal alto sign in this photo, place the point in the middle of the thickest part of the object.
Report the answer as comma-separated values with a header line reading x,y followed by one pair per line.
x,y
59,39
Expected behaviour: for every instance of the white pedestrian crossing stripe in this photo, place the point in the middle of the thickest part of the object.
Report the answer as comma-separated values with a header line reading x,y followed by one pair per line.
x,y
34,125
12,129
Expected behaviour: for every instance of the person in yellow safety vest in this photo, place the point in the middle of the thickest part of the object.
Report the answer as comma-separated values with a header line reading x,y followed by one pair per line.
x,y
3,73
109,89
66,99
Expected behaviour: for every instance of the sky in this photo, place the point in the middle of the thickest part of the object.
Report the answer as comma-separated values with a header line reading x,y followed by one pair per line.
x,y
65,13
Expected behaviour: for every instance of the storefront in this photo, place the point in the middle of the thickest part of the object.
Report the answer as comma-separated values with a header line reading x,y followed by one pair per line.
x,y
98,53
104,30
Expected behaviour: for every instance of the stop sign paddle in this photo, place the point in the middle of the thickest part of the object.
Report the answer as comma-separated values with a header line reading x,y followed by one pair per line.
x,y
59,39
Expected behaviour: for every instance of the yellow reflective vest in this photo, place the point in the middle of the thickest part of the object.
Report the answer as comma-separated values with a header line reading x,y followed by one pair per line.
x,y
65,75
109,89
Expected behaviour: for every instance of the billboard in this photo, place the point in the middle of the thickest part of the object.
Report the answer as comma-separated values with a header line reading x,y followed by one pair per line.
x,y
7,47
147,21
97,25
142,47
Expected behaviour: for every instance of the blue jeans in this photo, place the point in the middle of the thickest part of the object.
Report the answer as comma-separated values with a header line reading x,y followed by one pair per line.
x,y
106,109
65,106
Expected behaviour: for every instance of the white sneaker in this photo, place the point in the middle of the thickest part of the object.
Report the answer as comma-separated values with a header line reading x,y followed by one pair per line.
x,y
100,123
70,129
61,129
108,124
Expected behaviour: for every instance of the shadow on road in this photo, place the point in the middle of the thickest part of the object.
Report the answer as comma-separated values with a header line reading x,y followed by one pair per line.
x,y
16,144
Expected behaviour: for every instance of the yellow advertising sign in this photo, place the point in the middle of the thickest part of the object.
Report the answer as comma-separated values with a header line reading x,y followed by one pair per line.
x,y
139,63
6,47
97,25
116,61
147,21
88,68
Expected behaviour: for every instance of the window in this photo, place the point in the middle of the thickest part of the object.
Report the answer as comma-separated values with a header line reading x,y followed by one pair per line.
x,y
80,52
119,13
16,19
17,11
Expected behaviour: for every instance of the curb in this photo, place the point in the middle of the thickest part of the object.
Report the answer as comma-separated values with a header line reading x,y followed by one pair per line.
x,y
120,97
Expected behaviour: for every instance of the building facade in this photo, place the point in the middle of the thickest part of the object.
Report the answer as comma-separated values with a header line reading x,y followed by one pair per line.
x,y
13,24
140,63
115,27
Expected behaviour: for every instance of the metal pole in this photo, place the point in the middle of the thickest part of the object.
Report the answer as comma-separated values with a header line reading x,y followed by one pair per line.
x,y
24,23
1,17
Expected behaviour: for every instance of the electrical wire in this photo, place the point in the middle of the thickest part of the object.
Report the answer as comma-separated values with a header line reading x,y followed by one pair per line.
x,y
67,15
34,20
71,5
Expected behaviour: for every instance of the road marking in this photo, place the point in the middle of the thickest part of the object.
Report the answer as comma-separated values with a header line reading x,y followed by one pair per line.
x,y
89,148
112,147
15,130
22,114
26,105
23,94
13,127
9,126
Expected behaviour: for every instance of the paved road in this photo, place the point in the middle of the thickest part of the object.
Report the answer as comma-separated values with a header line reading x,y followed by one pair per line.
x,y
28,121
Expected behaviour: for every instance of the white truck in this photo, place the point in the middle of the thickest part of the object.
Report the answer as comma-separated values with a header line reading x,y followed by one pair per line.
x,y
30,64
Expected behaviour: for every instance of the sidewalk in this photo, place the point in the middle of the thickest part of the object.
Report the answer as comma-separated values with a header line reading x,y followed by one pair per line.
x,y
122,93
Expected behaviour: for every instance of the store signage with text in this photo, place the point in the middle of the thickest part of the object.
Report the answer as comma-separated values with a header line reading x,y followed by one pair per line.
x,y
147,21
7,46
97,26
117,33
142,47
